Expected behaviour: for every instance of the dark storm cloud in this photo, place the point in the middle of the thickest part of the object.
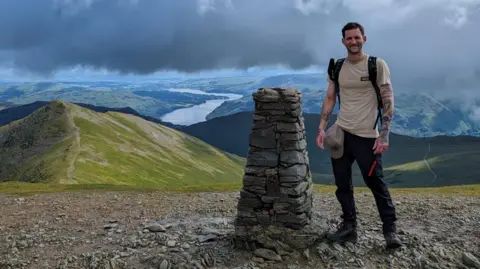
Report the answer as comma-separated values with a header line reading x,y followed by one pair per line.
x,y
428,44
147,35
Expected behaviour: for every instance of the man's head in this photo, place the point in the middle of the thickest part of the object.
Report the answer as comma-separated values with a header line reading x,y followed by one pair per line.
x,y
353,37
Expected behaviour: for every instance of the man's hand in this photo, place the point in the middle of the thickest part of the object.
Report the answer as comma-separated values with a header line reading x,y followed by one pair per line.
x,y
327,109
320,138
380,145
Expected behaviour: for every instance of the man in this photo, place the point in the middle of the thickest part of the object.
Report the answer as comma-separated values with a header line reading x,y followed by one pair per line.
x,y
357,139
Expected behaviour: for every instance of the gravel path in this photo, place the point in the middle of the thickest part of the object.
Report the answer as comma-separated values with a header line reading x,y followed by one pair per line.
x,y
194,230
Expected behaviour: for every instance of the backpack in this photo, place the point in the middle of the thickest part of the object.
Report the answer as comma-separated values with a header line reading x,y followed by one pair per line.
x,y
334,71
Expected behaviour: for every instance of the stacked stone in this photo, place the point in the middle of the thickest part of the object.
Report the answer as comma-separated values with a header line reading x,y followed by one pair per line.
x,y
277,183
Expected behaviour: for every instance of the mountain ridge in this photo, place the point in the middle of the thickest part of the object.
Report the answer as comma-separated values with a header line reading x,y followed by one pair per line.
x,y
72,144
452,158
15,112
44,132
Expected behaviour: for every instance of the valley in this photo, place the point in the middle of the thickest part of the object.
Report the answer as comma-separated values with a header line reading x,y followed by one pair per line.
x,y
196,113
200,99
418,115
150,99
408,163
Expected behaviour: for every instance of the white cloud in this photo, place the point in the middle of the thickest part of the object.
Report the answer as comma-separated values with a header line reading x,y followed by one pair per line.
x,y
475,115
204,6
384,13
72,7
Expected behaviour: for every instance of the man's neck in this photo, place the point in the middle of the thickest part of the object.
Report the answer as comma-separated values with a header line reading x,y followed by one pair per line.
x,y
354,58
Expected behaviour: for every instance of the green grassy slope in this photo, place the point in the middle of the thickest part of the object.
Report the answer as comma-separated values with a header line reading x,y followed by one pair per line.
x,y
447,160
451,159
119,149
38,147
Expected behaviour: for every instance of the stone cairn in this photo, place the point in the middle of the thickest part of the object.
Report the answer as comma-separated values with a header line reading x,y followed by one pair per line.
x,y
276,198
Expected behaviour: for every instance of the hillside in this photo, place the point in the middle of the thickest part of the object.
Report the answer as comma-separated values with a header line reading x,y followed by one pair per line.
x,y
416,115
453,160
65,143
37,148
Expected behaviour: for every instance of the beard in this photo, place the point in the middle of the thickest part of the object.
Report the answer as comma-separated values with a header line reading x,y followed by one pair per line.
x,y
355,49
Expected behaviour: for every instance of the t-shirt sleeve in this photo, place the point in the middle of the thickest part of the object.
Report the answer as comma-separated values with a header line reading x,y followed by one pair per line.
x,y
383,72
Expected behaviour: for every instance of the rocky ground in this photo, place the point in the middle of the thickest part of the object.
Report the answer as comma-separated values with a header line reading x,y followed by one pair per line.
x,y
181,230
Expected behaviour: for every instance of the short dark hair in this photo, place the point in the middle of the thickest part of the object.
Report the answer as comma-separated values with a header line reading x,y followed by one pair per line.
x,y
351,26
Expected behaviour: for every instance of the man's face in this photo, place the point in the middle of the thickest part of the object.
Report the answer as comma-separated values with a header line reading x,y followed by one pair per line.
x,y
354,40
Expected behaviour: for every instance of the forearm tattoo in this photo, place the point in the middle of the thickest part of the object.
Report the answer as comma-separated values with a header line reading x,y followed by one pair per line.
x,y
386,93
327,110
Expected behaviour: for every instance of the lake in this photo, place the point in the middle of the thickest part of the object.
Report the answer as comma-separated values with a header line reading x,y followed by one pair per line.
x,y
197,113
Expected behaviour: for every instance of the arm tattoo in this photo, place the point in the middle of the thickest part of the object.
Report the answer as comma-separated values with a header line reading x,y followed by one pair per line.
x,y
386,93
327,110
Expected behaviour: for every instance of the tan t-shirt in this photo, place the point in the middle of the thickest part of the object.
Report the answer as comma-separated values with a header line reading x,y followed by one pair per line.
x,y
358,100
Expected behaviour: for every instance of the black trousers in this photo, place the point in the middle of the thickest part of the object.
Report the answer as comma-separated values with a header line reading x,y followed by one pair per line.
x,y
360,149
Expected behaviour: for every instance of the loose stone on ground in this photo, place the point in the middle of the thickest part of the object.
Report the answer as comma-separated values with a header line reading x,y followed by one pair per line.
x,y
31,236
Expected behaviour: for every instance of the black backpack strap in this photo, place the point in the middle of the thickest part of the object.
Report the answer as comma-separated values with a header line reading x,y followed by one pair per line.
x,y
334,72
372,74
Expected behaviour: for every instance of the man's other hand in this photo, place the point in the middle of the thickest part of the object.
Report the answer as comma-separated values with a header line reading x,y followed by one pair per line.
x,y
320,138
380,146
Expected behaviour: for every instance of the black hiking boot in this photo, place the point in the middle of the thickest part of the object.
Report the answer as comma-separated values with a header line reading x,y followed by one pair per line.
x,y
346,232
392,240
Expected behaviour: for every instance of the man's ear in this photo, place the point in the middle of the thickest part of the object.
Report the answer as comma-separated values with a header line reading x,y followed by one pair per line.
x,y
364,38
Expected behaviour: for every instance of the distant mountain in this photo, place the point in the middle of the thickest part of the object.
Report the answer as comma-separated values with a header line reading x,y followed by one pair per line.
x,y
311,86
4,105
452,160
150,99
416,115
65,143
17,112
311,103
237,85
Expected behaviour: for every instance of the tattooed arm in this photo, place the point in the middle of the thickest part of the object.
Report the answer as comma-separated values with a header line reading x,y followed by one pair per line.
x,y
328,105
386,93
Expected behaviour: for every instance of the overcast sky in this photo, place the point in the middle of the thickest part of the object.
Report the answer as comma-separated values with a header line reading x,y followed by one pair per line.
x,y
431,45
